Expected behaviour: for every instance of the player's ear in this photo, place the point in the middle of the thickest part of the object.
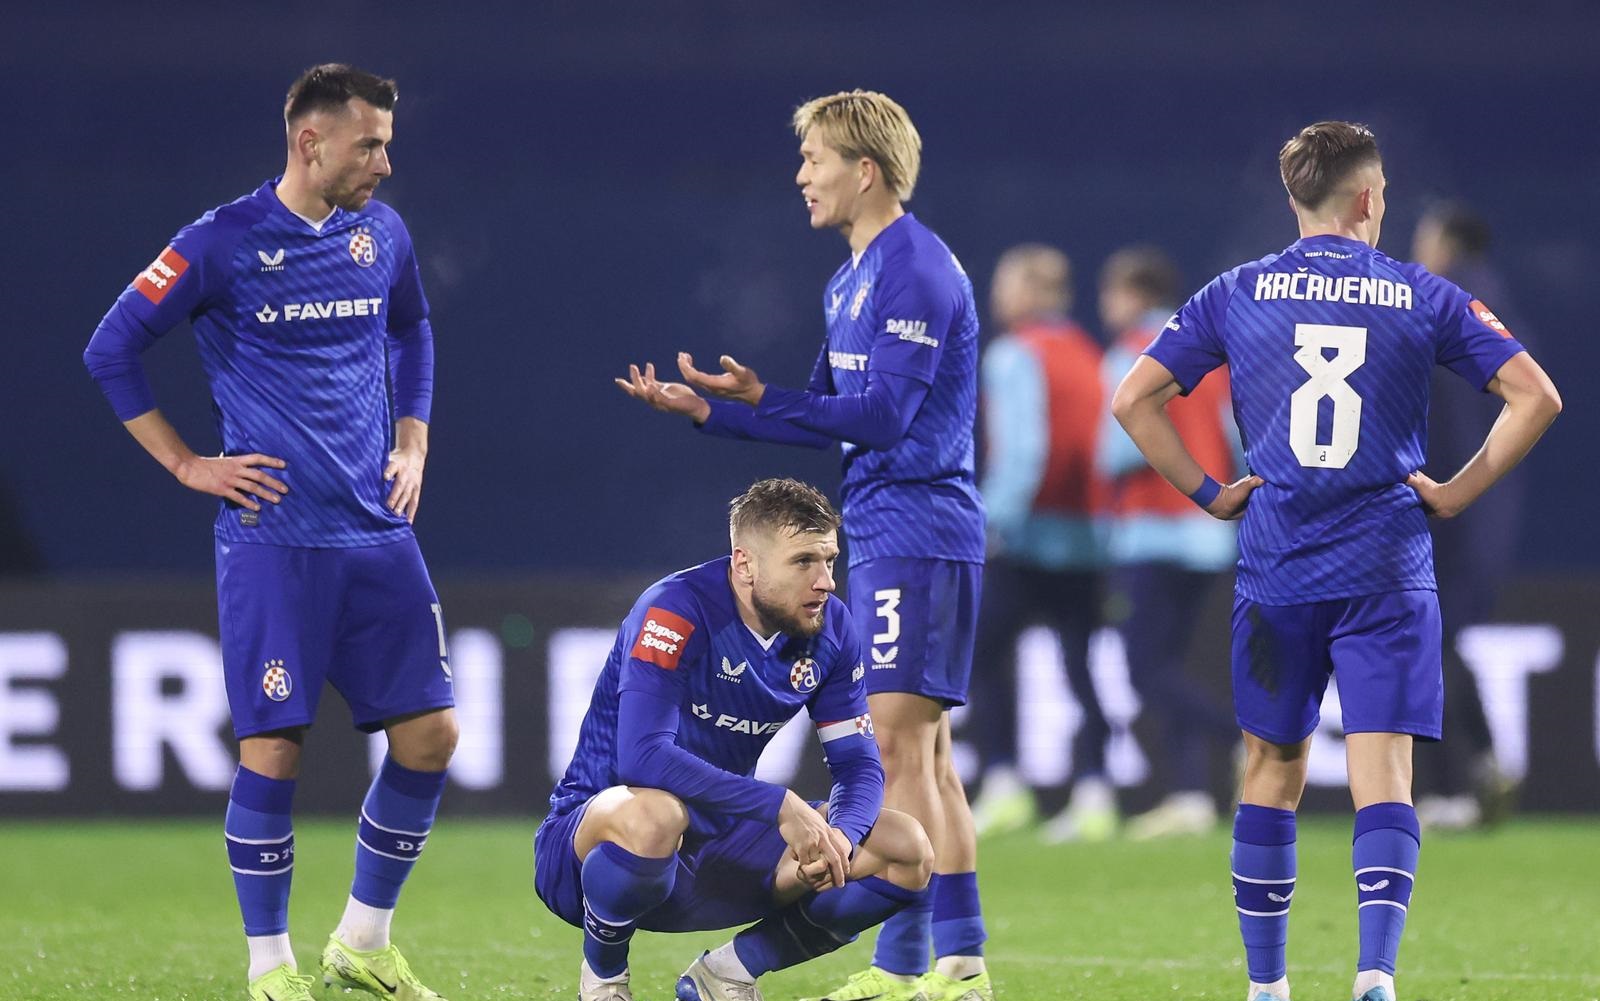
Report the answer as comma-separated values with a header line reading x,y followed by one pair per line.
x,y
1364,203
868,176
306,142
743,564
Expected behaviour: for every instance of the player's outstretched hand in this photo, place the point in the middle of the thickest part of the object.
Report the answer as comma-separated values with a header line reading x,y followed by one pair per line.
x,y
735,383
1434,495
404,476
811,842
1230,502
667,397
238,478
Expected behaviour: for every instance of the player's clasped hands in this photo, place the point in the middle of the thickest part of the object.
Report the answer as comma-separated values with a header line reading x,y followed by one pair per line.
x,y
822,852
238,478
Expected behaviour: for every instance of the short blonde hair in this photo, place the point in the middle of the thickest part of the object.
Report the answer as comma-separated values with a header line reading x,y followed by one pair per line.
x,y
865,123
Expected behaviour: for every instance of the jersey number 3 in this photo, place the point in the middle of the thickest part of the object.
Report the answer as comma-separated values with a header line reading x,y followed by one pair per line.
x,y
1328,375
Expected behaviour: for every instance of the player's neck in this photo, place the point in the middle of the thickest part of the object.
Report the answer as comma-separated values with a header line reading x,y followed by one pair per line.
x,y
1357,230
297,195
862,230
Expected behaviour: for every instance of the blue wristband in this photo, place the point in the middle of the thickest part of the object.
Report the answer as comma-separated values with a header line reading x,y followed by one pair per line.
x,y
1206,492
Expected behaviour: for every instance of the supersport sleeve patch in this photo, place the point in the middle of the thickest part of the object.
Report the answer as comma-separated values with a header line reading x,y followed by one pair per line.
x,y
155,281
662,638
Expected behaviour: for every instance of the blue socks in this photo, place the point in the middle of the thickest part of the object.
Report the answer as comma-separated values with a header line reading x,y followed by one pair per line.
x,y
903,940
1384,855
618,888
261,849
947,914
957,917
395,820
1263,884
818,924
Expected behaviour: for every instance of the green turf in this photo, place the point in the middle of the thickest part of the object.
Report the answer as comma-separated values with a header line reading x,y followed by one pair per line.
x,y
144,910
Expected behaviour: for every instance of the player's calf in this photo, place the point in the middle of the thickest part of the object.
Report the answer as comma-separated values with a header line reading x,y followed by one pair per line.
x,y
628,841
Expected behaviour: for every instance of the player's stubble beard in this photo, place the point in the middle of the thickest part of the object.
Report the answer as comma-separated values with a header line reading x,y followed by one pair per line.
x,y
783,620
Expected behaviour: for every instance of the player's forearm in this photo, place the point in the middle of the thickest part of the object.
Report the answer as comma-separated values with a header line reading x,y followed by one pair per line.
x,y
857,796
1520,425
411,435
648,756
878,418
112,358
656,763
411,370
735,420
1145,420
161,440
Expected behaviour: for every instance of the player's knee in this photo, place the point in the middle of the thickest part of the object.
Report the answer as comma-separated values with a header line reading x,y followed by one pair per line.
x,y
425,743
274,755
905,846
906,751
650,822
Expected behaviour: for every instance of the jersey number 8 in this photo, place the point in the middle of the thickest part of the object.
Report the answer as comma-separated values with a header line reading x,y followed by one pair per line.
x,y
1328,377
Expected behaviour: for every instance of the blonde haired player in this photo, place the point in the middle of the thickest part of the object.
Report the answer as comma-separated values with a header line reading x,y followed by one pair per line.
x,y
897,384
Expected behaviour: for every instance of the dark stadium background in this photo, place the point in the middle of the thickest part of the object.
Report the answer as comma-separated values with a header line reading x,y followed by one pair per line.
x,y
590,184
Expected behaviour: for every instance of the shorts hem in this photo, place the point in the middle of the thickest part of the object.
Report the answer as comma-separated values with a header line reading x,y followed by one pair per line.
x,y
949,700
1420,730
373,725
256,731
1277,738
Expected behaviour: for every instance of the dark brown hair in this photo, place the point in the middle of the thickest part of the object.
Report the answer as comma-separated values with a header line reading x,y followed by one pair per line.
x,y
1146,270
330,86
1321,156
776,504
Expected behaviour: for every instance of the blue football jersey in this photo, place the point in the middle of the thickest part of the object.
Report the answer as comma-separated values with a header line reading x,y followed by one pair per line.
x,y
684,642
1330,347
906,306
294,326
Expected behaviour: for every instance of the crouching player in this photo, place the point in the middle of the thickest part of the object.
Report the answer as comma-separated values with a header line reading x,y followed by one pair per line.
x,y
659,823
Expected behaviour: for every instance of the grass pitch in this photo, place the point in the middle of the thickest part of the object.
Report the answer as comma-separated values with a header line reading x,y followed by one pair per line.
x,y
145,910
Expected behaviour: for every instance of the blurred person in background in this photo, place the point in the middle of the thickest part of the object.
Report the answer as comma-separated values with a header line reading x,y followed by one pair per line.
x,y
1166,555
1042,399
1471,551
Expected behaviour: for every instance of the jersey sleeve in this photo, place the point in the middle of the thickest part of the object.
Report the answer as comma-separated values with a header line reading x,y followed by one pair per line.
x,y
839,710
179,284
410,335
916,309
1190,345
663,635
1469,339
665,638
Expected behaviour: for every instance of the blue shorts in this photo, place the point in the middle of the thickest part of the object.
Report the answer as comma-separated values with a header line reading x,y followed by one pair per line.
x,y
723,881
365,619
917,620
1383,648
